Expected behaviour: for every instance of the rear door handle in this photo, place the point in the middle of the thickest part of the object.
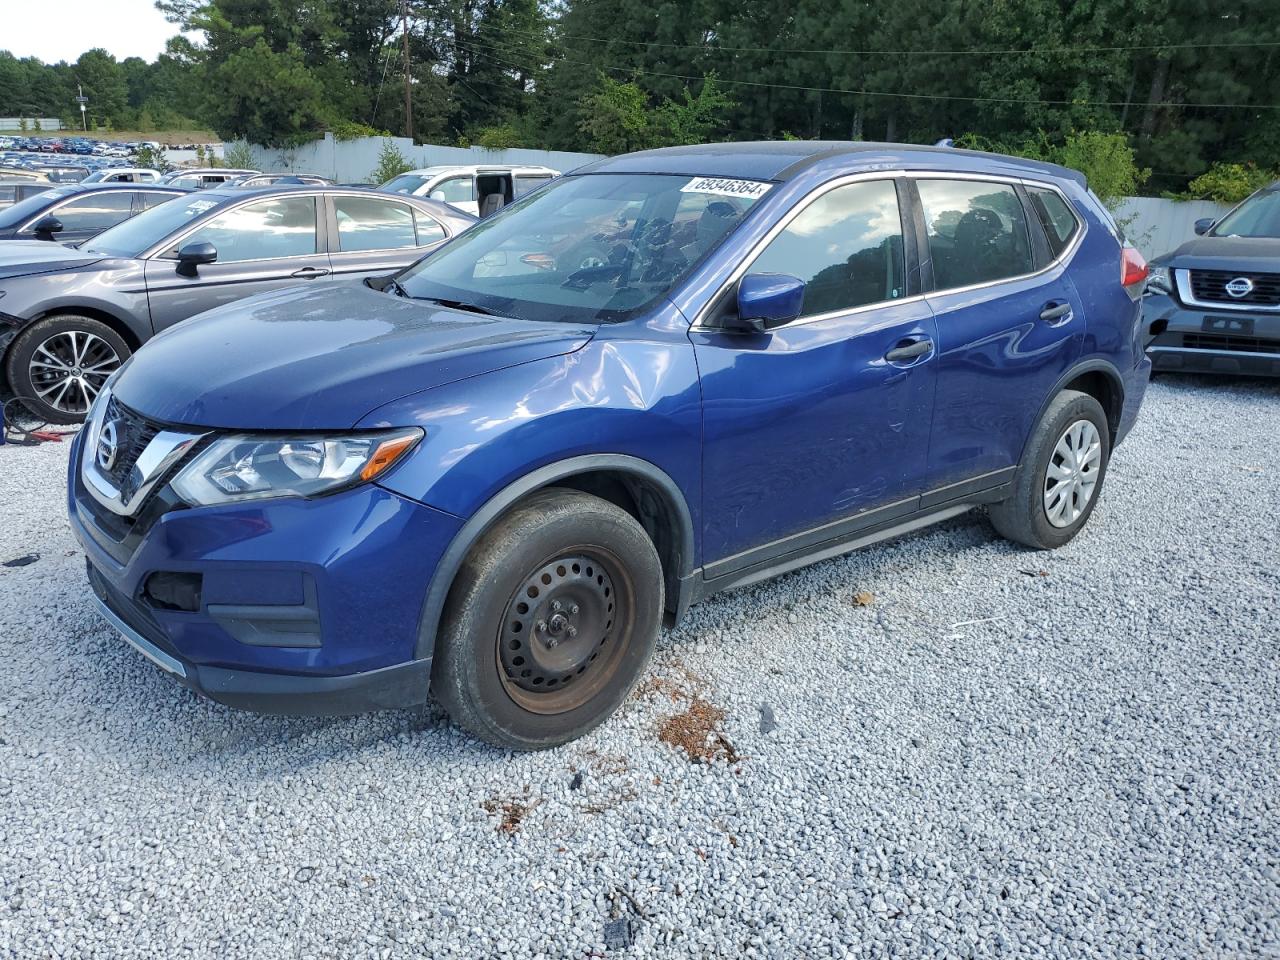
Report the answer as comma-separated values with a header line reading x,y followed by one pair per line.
x,y
909,349
310,273
1056,314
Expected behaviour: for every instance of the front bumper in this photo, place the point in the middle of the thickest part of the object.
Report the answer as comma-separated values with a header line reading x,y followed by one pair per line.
x,y
293,606
1202,340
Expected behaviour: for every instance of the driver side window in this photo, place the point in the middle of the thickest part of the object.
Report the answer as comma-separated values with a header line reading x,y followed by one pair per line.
x,y
846,246
266,230
456,190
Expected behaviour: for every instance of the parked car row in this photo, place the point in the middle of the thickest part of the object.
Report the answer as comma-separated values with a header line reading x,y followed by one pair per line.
x,y
74,144
175,259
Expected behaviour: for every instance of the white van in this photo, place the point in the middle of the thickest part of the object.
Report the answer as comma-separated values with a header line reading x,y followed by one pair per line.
x,y
124,175
478,190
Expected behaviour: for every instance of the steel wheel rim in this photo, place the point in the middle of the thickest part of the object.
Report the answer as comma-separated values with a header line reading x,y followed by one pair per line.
x,y
565,631
1072,474
67,371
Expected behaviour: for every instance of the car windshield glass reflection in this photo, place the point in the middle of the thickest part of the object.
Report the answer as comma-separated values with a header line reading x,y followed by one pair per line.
x,y
593,248
134,237
1257,217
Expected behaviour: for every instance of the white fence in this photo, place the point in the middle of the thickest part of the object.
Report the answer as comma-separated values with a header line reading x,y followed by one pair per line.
x,y
15,123
353,161
1156,226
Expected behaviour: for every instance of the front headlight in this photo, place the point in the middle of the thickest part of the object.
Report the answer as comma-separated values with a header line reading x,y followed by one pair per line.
x,y
252,468
1160,280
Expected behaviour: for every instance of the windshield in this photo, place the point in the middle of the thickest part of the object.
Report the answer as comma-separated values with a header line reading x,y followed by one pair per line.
x,y
590,248
1259,216
133,237
405,183
20,212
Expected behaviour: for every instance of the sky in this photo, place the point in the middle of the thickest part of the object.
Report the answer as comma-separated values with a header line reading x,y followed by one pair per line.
x,y
67,28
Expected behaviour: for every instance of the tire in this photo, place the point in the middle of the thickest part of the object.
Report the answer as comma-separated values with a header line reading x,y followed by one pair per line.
x,y
1045,512
58,365
507,666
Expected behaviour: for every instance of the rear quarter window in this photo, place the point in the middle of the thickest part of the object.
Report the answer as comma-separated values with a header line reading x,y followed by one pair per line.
x,y
1055,215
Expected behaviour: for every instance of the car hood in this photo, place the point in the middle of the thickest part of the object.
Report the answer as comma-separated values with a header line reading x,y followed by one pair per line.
x,y
20,258
322,357
1226,253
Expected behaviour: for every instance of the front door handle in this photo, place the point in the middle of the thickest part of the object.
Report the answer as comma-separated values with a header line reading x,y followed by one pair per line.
x,y
310,273
909,349
1056,314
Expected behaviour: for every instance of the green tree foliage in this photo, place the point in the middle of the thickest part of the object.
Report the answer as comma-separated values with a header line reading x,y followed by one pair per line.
x,y
1185,83
238,155
152,159
1106,159
391,163
617,117
1230,182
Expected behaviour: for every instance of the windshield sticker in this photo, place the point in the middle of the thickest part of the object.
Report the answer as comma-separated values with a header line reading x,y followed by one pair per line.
x,y
200,206
723,187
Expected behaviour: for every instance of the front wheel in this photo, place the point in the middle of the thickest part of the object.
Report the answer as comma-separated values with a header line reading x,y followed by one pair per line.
x,y
1061,476
550,622
57,366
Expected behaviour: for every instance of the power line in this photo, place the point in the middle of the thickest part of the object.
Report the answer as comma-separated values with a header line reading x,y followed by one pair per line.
x,y
883,93
711,47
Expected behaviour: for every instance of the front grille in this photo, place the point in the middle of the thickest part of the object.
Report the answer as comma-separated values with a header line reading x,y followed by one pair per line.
x,y
133,433
1214,341
1210,286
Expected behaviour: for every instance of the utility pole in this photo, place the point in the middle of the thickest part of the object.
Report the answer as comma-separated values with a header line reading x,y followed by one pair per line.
x,y
408,101
82,100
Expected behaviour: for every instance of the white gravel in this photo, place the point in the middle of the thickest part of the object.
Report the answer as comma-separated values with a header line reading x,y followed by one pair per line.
x,y
981,761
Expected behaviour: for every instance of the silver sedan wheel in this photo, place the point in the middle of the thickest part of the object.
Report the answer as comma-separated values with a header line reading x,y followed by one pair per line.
x,y
68,370
1073,472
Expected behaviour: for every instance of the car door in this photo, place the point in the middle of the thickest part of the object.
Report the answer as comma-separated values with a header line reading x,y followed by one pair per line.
x,y
819,426
262,245
86,215
371,235
1008,328
458,192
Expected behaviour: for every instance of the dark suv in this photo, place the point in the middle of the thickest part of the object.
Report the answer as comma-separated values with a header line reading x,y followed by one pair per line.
x,y
1213,305
664,375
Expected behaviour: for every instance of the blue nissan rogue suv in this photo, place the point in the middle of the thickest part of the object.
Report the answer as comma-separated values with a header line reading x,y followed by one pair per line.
x,y
493,474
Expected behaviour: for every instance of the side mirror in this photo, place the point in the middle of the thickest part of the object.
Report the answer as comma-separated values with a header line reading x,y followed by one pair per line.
x,y
767,300
193,255
1203,226
47,226
436,195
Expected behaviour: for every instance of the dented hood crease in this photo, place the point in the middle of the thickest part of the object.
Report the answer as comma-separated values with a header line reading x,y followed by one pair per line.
x,y
322,357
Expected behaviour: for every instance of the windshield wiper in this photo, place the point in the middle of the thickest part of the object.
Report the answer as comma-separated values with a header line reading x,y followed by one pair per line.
x,y
459,305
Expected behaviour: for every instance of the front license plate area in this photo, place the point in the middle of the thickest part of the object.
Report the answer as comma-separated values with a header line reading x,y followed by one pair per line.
x,y
1242,326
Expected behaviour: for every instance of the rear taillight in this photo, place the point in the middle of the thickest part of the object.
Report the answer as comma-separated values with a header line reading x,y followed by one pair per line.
x,y
1133,268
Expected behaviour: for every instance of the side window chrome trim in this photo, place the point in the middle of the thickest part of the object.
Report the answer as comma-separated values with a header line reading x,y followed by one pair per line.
x,y
158,250
739,272
66,201
699,322
1059,261
414,214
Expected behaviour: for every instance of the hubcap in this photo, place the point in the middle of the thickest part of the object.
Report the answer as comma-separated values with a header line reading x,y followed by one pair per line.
x,y
1072,474
68,370
560,636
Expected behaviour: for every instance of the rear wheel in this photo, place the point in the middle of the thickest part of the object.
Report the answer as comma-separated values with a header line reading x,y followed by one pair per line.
x,y
550,622
1060,479
58,365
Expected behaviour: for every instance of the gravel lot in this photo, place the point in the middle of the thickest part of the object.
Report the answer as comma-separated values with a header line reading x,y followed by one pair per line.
x,y
975,751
